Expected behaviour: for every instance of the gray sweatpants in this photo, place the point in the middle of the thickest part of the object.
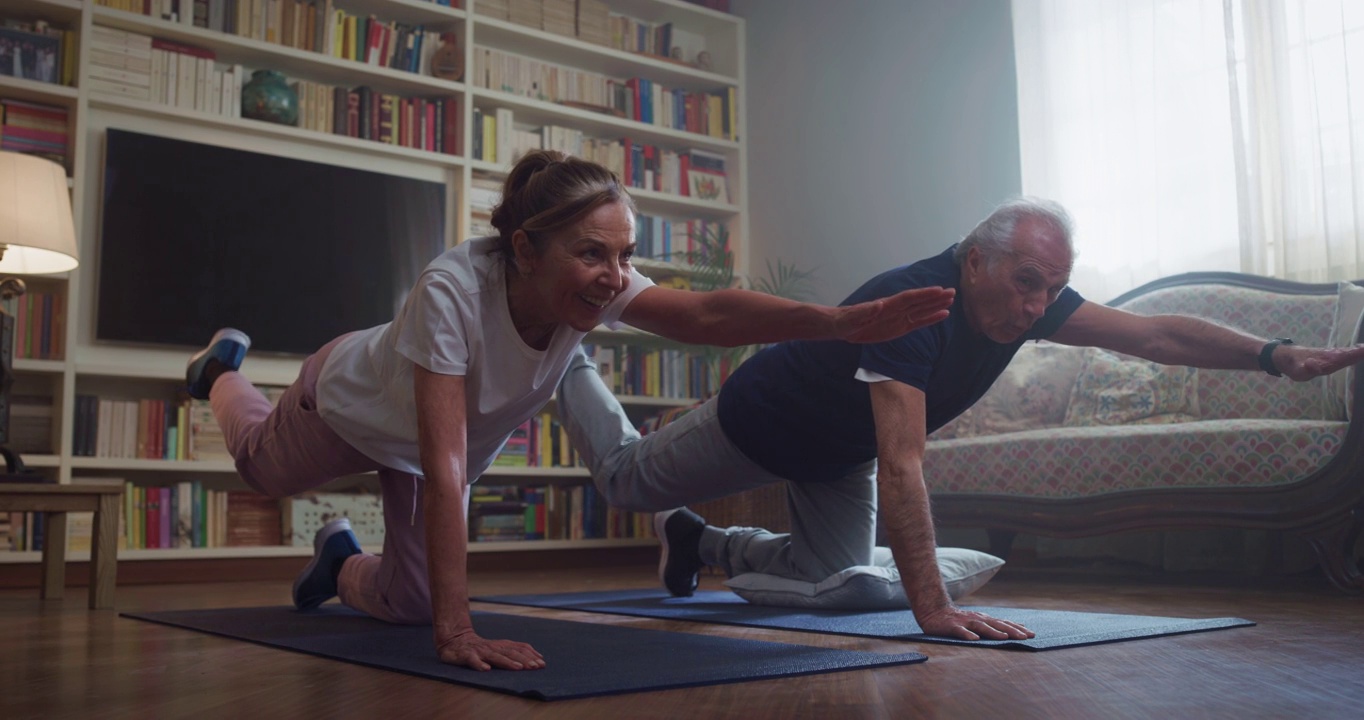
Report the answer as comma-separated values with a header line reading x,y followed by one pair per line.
x,y
833,523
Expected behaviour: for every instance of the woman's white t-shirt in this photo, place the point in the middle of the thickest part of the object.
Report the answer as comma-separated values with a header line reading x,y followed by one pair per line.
x,y
455,321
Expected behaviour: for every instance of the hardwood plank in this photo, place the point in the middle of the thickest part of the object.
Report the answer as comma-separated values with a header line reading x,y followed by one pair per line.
x,y
1302,660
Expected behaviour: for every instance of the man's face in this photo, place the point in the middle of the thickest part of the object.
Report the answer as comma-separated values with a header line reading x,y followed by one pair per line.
x,y
1005,295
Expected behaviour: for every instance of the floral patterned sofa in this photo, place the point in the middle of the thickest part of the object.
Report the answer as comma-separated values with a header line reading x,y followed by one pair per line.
x,y
1074,442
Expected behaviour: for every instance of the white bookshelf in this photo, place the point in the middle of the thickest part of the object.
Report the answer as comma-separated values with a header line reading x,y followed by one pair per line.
x,y
91,366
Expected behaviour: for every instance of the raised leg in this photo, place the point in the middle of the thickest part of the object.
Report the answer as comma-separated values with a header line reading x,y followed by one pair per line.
x,y
54,555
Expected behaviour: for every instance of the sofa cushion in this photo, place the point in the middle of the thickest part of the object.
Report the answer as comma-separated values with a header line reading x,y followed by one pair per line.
x,y
1238,393
866,587
1345,328
1086,461
1032,392
1111,390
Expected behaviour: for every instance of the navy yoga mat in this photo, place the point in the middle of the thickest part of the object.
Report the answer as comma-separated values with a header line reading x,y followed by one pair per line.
x,y
1054,628
581,659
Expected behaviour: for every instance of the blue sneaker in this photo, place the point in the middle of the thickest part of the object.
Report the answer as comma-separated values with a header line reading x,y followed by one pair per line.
x,y
228,347
331,546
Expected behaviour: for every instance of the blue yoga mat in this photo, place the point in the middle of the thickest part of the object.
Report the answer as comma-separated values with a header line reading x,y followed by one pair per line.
x,y
581,659
1054,628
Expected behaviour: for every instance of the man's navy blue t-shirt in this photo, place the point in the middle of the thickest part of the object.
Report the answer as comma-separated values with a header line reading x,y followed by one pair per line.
x,y
798,410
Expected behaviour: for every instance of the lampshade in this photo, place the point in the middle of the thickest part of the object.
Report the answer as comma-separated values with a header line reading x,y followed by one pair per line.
x,y
37,232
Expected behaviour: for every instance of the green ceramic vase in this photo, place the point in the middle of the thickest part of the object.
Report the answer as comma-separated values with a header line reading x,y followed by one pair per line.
x,y
267,96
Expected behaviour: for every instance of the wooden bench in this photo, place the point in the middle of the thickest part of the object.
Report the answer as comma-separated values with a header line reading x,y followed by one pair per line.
x,y
55,501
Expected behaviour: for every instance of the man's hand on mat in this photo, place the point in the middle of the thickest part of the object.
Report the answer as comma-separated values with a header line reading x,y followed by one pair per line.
x,y
952,621
470,650
1307,363
890,317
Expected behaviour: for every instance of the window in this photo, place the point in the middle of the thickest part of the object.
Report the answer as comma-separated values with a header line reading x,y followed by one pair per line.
x,y
1190,135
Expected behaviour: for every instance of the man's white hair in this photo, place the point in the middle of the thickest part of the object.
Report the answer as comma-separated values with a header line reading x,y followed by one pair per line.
x,y
995,234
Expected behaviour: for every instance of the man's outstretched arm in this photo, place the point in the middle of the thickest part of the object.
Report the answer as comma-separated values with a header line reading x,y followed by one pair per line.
x,y
900,435
1186,340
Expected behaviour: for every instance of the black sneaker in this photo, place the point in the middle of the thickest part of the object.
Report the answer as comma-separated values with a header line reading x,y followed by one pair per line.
x,y
680,565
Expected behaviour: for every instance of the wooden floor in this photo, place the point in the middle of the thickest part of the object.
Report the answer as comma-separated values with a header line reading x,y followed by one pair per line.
x,y
1305,659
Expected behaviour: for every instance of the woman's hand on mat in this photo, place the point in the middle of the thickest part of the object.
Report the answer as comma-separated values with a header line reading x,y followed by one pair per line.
x,y
890,317
952,621
470,650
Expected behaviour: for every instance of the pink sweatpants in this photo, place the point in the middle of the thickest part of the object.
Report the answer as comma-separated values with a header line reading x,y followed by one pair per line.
x,y
289,449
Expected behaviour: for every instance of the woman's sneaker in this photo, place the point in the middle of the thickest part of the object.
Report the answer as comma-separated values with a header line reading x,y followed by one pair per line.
x,y
331,546
228,348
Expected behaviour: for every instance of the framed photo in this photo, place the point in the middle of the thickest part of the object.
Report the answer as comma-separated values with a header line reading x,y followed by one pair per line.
x,y
707,186
29,55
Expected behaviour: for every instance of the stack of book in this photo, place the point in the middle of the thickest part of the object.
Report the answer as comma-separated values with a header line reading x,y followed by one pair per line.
x,y
496,9
254,520
206,439
188,77
33,129
21,531
39,315
186,514
526,12
499,512
316,106
516,452
30,424
594,22
120,63
484,195
559,17
137,67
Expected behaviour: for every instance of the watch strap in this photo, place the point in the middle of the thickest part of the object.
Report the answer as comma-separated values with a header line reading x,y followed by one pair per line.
x,y
1267,355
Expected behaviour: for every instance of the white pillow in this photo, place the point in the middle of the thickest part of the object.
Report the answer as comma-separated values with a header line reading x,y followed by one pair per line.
x,y
866,587
1344,330
1032,393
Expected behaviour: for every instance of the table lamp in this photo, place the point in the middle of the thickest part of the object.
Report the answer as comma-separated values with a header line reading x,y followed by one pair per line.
x,y
37,237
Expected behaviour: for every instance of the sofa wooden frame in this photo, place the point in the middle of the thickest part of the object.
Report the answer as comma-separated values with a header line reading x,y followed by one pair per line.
x,y
1327,506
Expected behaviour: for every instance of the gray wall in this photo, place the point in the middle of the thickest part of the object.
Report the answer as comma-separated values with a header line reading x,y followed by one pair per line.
x,y
879,131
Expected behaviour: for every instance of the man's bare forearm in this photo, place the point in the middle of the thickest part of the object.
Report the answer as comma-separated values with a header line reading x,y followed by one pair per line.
x,y
909,524
1183,340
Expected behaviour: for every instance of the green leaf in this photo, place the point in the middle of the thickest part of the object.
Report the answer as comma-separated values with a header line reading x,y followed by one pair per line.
x,y
712,265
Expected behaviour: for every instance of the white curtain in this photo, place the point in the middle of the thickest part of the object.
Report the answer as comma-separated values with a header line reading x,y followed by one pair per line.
x,y
1192,135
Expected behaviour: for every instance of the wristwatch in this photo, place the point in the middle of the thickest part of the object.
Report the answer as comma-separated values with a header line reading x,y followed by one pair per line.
x,y
1267,355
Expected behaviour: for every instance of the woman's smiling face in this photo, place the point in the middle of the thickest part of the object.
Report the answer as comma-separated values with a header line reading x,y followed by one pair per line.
x,y
582,268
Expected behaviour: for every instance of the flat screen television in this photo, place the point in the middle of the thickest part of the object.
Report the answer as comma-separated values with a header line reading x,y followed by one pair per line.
x,y
195,237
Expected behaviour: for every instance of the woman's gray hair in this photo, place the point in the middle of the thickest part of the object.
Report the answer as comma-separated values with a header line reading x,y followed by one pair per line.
x,y
995,234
